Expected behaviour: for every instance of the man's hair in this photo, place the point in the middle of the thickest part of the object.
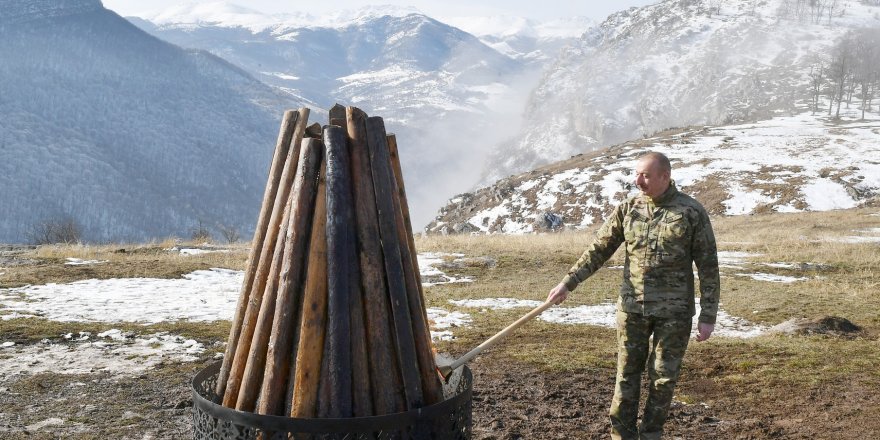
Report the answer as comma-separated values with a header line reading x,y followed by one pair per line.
x,y
660,158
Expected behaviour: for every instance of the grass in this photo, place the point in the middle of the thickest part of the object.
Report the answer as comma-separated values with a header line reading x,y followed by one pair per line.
x,y
744,374
842,280
152,260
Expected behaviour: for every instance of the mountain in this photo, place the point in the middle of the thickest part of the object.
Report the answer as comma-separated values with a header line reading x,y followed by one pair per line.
x,y
673,64
129,136
532,41
802,162
443,91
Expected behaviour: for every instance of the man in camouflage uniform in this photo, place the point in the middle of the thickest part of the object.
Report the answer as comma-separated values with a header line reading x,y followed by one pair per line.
x,y
664,232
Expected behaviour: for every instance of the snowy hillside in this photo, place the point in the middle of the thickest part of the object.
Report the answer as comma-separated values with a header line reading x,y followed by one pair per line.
x,y
784,164
130,137
524,38
443,91
673,64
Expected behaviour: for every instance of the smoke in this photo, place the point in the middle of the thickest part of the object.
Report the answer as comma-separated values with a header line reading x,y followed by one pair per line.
x,y
447,154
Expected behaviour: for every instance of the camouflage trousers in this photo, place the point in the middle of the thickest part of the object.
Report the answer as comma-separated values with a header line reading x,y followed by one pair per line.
x,y
663,355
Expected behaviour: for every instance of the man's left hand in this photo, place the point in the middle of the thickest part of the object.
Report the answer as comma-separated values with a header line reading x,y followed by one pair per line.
x,y
704,331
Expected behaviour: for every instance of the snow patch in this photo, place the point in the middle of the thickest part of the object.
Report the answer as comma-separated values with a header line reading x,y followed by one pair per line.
x,y
496,303
605,315
431,275
825,195
204,295
772,278
442,320
79,262
112,353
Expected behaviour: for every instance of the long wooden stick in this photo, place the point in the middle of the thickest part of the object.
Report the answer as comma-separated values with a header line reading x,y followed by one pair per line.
x,y
293,270
252,375
446,370
310,351
263,265
404,207
340,263
431,386
383,185
385,380
288,122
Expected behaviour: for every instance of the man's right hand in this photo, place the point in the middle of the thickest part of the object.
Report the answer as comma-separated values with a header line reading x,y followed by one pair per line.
x,y
558,294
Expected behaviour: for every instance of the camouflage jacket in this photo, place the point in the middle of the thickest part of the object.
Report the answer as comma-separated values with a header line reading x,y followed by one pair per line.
x,y
662,237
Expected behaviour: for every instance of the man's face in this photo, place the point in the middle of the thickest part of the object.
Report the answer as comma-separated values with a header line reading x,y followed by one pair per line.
x,y
650,178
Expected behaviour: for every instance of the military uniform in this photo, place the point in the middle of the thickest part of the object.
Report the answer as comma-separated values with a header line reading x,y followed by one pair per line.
x,y
663,237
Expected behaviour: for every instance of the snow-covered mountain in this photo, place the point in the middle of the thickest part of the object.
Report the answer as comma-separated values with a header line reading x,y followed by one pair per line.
x,y
793,163
129,136
523,38
443,91
674,64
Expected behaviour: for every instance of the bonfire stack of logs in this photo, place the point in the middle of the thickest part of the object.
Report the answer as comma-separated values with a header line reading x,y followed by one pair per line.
x,y
331,321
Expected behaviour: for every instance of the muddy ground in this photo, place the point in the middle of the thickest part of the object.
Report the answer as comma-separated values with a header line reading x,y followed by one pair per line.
x,y
511,401
520,402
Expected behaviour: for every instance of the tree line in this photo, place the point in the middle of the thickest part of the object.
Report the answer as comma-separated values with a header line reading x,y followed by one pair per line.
x,y
851,71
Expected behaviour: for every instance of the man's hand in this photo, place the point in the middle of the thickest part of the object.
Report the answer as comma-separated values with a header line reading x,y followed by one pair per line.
x,y
704,331
558,294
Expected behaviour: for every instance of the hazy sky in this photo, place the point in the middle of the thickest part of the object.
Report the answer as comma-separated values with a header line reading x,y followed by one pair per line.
x,y
541,10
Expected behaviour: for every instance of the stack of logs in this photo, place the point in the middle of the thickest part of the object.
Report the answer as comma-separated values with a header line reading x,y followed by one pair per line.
x,y
331,321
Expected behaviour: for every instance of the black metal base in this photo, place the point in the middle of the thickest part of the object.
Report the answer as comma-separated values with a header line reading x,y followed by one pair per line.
x,y
447,420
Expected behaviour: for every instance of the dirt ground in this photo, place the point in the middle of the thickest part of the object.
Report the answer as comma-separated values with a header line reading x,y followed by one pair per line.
x,y
511,401
520,402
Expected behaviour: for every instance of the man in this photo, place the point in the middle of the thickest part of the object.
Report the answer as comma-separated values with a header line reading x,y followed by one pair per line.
x,y
664,231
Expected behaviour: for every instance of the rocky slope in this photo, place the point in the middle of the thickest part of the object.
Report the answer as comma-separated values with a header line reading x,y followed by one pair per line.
x,y
793,163
673,64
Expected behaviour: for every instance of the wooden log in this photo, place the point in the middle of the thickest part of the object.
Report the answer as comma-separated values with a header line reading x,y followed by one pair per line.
x,y
404,207
310,350
324,396
290,288
255,296
387,388
383,185
314,131
362,400
340,263
252,374
282,146
432,388
337,115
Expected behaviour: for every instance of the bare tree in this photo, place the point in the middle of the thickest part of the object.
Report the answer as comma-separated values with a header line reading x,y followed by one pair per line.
x,y
63,229
200,233
832,5
866,65
840,70
230,233
817,80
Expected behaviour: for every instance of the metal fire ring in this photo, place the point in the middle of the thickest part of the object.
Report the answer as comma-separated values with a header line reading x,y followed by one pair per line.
x,y
447,420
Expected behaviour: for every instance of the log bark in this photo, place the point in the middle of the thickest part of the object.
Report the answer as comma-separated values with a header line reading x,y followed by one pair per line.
x,y
387,388
282,146
255,295
383,185
336,115
310,351
362,400
290,288
431,386
252,374
341,263
404,206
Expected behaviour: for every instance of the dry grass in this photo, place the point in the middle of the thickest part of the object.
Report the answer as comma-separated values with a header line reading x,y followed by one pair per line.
x,y
725,373
844,285
151,260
